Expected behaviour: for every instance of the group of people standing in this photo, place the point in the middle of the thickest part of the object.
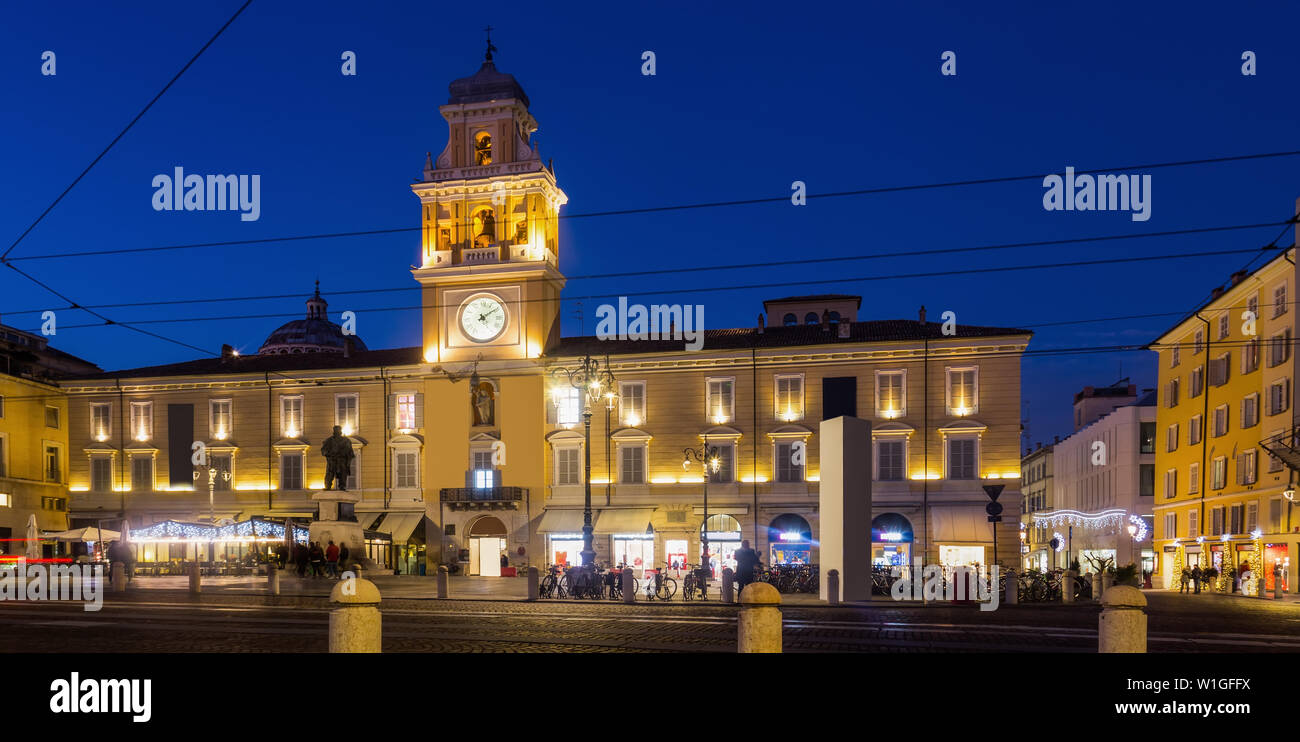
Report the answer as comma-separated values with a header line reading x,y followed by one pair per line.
x,y
311,560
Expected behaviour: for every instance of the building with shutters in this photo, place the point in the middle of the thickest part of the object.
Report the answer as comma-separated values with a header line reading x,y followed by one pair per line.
x,y
1225,397
468,447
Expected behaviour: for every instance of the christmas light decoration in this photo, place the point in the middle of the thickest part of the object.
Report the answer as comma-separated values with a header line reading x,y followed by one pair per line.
x,y
1141,524
1076,519
1060,540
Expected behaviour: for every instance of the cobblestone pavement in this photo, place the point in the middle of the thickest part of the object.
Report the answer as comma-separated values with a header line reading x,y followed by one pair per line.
x,y
242,618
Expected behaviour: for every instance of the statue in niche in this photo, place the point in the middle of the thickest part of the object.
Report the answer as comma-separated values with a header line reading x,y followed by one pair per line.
x,y
484,404
483,149
444,239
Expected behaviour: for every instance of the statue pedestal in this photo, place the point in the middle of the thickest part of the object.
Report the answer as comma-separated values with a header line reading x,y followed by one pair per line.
x,y
329,528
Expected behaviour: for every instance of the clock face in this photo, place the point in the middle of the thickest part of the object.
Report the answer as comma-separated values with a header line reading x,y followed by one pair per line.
x,y
482,318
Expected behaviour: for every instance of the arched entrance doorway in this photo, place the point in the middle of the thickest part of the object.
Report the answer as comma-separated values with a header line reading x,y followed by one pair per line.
x,y
891,539
724,539
487,539
790,540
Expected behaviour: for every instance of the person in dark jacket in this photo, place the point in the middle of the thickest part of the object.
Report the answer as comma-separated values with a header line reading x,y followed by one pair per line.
x,y
300,556
746,561
1196,579
316,557
343,555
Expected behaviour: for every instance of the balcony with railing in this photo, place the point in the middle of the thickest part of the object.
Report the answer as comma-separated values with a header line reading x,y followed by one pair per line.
x,y
483,498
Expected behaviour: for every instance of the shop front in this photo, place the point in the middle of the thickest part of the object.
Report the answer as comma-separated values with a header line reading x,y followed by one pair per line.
x,y
724,539
631,537
790,540
1275,555
891,540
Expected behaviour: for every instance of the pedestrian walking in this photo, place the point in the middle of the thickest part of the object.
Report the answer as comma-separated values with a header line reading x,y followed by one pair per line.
x,y
300,557
746,561
281,556
332,560
316,557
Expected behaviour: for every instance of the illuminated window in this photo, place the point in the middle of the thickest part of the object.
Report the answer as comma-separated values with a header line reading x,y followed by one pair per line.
x,y
726,472
406,412
346,413
632,403
569,404
721,400
789,397
963,391
483,472
891,394
482,148
101,420
142,421
220,418
291,418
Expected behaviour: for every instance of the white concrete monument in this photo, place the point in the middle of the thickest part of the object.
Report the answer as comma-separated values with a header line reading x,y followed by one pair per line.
x,y
845,507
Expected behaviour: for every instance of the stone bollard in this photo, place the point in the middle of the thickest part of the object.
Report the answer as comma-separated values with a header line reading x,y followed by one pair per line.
x,y
196,580
1012,593
355,626
1277,583
272,579
758,630
444,579
728,585
833,587
119,577
629,585
1067,586
1122,625
534,581
1107,580
1096,587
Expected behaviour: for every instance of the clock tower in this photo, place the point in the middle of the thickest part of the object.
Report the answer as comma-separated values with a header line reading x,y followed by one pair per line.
x,y
489,247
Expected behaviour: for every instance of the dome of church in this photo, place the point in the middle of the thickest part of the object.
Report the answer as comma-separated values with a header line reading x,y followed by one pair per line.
x,y
315,334
486,84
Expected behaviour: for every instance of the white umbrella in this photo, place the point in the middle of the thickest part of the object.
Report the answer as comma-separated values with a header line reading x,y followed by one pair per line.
x,y
33,538
89,533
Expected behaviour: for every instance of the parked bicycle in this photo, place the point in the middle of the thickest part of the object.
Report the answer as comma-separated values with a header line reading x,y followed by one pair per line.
x,y
695,584
660,586
555,584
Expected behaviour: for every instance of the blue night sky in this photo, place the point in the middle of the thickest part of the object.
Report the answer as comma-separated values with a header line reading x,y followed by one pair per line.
x,y
744,102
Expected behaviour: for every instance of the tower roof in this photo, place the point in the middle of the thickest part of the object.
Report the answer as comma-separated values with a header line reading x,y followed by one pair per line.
x,y
315,334
486,84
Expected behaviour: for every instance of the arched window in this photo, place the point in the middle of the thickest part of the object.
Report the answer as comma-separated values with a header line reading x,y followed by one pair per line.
x,y
721,523
811,318
835,318
790,320
482,148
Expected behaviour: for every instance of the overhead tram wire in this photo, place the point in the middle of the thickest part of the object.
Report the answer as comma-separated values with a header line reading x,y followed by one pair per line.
x,y
713,289
665,208
731,267
4,257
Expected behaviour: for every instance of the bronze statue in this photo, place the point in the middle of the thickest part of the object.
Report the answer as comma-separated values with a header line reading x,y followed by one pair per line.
x,y
337,450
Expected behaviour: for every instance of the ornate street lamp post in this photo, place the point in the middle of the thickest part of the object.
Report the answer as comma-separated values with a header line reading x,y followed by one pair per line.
x,y
591,381
707,457
213,472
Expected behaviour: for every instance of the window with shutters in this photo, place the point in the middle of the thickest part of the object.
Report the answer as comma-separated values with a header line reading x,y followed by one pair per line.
x,y
1220,420
1223,325
1276,523
1219,369
721,400
789,397
963,391
726,472
1274,463
346,412
1198,341
1250,356
1171,437
1252,517
631,464
1171,483
220,419
891,394
291,470
632,403
1216,522
891,460
53,464
141,421
1219,473
962,458
1247,468
1249,410
1193,524
1174,359
1196,382
101,474
1236,518
1279,300
1193,478
568,465
1171,393
101,420
1171,525
483,472
291,420
1279,397
224,463
142,473
405,406
1279,348
1194,427
788,469
406,469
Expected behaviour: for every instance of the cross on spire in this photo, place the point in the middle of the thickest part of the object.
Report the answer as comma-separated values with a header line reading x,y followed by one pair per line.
x,y
488,56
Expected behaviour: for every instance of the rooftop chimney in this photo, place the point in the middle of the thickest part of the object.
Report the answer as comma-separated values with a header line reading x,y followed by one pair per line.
x,y
1236,277
826,320
1058,439
922,314
760,323
1216,292
227,353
